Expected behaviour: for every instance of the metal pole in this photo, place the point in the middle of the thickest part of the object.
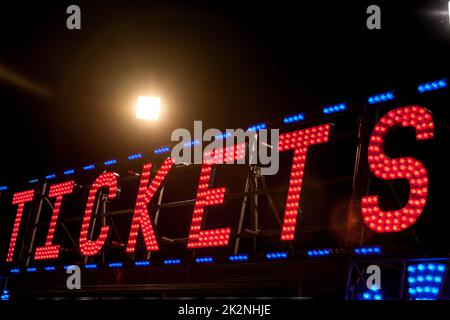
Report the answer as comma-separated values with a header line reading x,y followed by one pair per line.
x,y
349,281
353,199
245,198
35,223
241,215
402,281
255,213
97,204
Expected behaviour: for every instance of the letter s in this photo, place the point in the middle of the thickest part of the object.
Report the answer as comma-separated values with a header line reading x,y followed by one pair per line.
x,y
409,168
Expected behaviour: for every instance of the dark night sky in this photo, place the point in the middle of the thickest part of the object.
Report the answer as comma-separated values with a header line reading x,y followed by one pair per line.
x,y
228,64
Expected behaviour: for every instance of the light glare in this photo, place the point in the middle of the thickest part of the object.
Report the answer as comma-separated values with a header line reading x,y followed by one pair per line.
x,y
148,108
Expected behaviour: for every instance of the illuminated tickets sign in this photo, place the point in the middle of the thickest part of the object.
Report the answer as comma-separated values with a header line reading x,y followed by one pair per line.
x,y
297,143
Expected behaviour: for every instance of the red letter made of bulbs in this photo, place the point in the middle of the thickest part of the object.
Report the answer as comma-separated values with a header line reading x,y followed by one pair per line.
x,y
377,220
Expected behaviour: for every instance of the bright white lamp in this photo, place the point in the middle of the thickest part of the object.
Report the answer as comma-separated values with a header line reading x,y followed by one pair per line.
x,y
148,108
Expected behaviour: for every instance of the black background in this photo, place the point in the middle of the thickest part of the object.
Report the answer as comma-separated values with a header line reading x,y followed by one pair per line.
x,y
230,65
